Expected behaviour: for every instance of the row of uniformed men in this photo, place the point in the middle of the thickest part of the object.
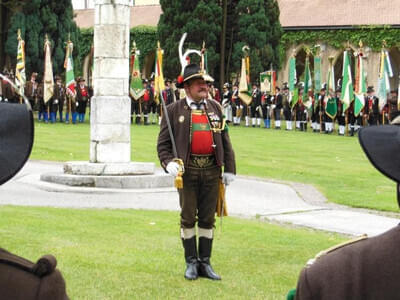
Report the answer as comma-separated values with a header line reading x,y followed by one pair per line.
x,y
47,112
268,107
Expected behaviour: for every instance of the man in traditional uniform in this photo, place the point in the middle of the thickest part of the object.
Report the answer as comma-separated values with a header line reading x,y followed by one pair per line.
x,y
19,277
255,106
7,89
371,108
154,107
148,99
57,101
42,107
287,111
227,102
82,98
31,89
393,105
321,110
364,268
277,107
340,113
203,145
237,106
70,105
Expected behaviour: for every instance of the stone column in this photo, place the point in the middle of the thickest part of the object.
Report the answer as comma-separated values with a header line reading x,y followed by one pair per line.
x,y
110,106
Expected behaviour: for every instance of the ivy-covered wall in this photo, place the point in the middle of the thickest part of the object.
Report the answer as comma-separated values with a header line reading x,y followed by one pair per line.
x,y
335,41
371,36
144,36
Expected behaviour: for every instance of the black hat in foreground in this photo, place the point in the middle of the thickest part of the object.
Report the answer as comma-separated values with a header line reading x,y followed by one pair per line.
x,y
381,144
192,71
16,138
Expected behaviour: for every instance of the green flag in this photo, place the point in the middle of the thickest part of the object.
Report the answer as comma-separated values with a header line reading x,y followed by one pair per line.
x,y
292,82
69,70
307,80
347,82
136,89
295,98
317,78
385,72
360,86
331,107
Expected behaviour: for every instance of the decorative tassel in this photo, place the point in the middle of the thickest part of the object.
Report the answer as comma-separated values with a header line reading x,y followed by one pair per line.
x,y
221,202
178,179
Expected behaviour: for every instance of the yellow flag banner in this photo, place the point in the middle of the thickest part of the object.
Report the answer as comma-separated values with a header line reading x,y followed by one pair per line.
x,y
48,81
159,85
244,94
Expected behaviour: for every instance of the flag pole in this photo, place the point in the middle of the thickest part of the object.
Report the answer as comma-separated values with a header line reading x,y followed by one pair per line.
x,y
19,41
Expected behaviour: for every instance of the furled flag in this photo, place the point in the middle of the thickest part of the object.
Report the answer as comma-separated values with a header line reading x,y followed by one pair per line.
x,y
159,85
307,80
69,70
204,59
20,77
360,85
48,89
385,71
330,104
244,83
136,89
292,81
398,95
317,78
347,82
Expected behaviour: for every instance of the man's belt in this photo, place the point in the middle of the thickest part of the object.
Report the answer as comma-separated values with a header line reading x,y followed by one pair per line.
x,y
201,161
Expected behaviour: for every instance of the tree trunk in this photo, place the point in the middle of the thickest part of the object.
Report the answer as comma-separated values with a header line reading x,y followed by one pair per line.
x,y
223,42
2,36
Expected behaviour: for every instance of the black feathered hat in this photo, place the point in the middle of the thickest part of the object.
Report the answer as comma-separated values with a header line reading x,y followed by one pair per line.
x,y
381,144
193,71
16,138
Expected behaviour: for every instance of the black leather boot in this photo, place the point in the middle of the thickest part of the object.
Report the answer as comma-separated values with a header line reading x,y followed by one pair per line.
x,y
192,265
205,269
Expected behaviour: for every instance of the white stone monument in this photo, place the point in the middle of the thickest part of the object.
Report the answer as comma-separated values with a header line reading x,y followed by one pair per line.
x,y
110,139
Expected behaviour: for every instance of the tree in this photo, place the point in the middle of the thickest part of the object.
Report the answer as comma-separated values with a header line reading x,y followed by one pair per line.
x,y
36,19
259,28
226,26
200,19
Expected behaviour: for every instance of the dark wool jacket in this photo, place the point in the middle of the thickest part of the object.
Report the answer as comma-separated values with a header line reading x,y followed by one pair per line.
x,y
180,116
365,270
21,279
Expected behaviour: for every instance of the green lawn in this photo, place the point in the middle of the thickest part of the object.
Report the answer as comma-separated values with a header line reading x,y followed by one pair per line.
x,y
334,164
134,254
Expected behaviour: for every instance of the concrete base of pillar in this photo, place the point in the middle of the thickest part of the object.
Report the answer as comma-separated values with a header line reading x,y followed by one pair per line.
x,y
103,169
133,175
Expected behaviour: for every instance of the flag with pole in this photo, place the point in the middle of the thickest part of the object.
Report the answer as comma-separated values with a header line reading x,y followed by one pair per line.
x,y
204,59
48,88
317,78
307,80
20,77
385,71
347,95
159,84
293,92
268,82
360,83
244,83
69,70
331,105
398,95
136,88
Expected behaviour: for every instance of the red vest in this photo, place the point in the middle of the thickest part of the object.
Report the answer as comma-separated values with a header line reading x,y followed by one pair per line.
x,y
201,138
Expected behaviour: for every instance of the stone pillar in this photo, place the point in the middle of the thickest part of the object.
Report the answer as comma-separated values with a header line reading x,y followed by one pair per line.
x,y
110,106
